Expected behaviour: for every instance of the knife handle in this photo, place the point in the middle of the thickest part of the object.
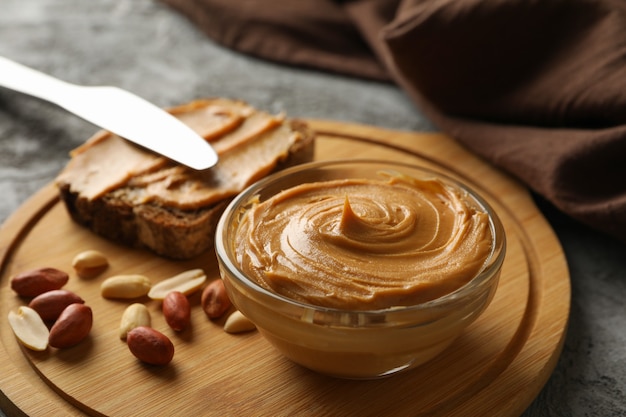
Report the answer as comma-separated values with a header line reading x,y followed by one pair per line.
x,y
26,80
116,110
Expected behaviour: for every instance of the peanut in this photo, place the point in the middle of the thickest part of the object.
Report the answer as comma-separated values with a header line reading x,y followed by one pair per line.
x,y
135,315
238,323
176,310
90,263
29,328
214,300
150,346
186,282
37,281
49,305
72,326
125,286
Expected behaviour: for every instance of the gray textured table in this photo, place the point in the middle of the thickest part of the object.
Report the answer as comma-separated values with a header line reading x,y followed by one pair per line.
x,y
143,46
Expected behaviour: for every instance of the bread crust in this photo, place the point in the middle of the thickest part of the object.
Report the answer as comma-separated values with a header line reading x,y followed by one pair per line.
x,y
169,232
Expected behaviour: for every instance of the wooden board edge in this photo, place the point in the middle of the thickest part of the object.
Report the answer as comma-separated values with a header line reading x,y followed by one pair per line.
x,y
36,397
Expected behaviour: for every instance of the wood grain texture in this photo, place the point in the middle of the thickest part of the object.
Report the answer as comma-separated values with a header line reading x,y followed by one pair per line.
x,y
496,367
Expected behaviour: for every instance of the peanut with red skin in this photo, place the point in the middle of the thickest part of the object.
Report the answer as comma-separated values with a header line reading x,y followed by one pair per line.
x,y
177,310
72,326
214,299
150,346
37,281
51,304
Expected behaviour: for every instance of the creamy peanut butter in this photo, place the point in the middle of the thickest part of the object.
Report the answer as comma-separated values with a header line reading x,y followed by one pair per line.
x,y
365,244
249,143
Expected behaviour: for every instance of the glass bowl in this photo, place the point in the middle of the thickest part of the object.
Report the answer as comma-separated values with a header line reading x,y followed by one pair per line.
x,y
356,343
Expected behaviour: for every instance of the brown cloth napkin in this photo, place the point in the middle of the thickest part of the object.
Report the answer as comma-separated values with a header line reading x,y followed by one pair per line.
x,y
537,87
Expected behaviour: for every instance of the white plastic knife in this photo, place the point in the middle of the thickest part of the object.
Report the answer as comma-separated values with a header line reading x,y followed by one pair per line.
x,y
117,111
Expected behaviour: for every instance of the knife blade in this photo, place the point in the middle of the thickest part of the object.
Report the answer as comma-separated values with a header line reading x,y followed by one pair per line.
x,y
116,110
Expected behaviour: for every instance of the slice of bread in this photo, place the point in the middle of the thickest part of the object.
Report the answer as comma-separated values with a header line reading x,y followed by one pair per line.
x,y
138,198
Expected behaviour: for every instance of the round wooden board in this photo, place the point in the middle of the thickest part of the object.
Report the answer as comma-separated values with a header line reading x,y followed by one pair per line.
x,y
496,367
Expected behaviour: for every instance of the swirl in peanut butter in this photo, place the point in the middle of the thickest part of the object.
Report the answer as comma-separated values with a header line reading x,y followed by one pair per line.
x,y
365,244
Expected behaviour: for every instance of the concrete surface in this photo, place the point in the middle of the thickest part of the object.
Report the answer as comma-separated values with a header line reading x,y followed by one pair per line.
x,y
143,46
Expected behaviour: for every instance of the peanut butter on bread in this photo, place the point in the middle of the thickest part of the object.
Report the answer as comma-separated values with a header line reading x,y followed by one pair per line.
x,y
138,198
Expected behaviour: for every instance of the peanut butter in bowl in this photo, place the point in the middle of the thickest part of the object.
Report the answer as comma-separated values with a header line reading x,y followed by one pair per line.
x,y
360,269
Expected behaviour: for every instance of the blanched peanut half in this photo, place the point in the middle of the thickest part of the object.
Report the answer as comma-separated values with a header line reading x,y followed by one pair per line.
x,y
89,263
29,328
125,286
186,282
135,315
238,323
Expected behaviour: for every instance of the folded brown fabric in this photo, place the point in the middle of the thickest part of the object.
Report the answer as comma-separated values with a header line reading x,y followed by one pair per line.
x,y
537,87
